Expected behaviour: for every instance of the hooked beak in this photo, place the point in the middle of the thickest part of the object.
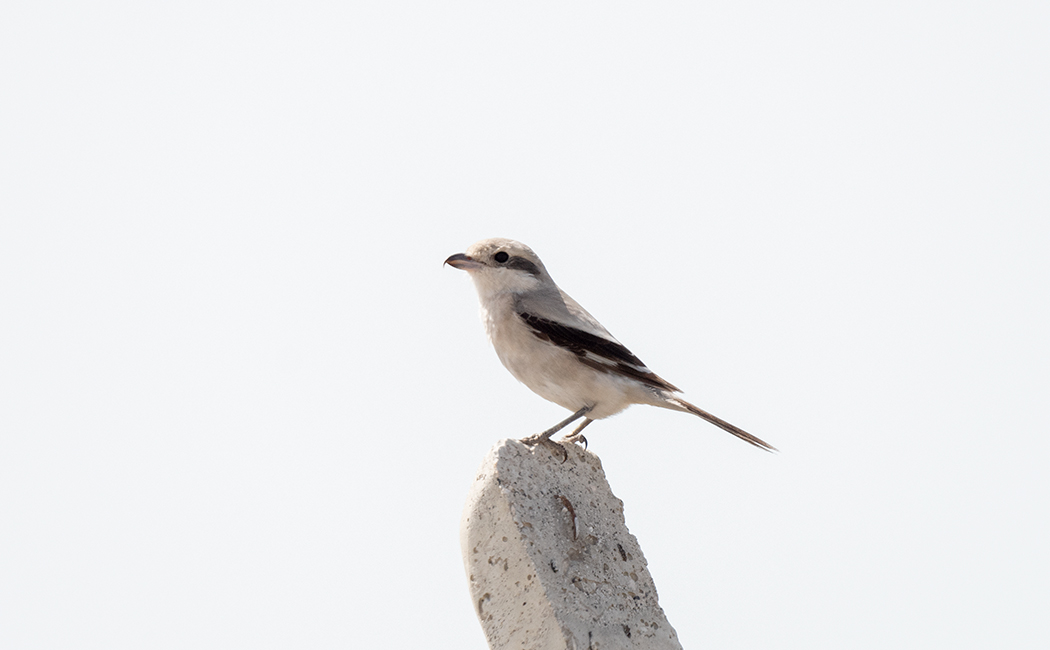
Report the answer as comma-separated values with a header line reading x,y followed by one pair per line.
x,y
464,262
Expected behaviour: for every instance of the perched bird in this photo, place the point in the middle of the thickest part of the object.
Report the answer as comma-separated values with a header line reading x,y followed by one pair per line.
x,y
552,345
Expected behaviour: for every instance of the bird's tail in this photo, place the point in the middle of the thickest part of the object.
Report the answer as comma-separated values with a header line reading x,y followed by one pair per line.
x,y
678,404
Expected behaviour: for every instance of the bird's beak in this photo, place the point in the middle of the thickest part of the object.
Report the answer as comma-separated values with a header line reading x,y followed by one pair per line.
x,y
464,262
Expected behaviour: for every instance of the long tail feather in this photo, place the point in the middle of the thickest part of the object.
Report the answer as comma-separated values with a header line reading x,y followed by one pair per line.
x,y
722,424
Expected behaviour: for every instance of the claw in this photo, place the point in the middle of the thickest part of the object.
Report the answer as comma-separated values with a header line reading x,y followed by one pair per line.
x,y
555,448
545,437
576,436
576,439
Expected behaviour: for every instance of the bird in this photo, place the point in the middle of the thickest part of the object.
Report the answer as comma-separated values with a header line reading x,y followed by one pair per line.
x,y
557,349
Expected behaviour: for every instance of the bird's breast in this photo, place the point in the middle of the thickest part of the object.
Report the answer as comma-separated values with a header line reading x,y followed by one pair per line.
x,y
553,372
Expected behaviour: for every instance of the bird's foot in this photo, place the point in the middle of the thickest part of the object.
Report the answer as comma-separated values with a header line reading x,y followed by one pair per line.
x,y
545,437
576,438
545,440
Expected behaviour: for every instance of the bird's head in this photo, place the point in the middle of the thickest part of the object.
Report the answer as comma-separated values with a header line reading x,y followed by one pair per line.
x,y
501,265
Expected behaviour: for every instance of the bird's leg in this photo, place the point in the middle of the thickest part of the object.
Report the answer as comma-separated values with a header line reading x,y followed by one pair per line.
x,y
576,436
545,437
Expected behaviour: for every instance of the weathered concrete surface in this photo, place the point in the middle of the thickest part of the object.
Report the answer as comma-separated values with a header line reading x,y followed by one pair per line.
x,y
549,559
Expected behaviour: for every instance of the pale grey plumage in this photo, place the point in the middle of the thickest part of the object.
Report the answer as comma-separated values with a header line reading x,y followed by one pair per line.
x,y
550,343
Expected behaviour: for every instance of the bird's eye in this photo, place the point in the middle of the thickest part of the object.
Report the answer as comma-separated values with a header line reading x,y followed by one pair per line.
x,y
501,257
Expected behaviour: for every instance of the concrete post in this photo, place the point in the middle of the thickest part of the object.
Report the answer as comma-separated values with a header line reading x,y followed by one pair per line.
x,y
550,561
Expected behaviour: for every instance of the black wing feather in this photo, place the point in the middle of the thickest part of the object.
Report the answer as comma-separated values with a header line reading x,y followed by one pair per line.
x,y
586,346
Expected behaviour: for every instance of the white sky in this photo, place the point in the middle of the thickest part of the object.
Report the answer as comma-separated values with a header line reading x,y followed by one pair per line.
x,y
242,402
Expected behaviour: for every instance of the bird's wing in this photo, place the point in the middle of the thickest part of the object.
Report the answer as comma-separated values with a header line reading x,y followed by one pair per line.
x,y
578,316
602,353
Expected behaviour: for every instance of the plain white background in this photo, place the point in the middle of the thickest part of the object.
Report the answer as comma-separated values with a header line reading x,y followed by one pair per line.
x,y
242,402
